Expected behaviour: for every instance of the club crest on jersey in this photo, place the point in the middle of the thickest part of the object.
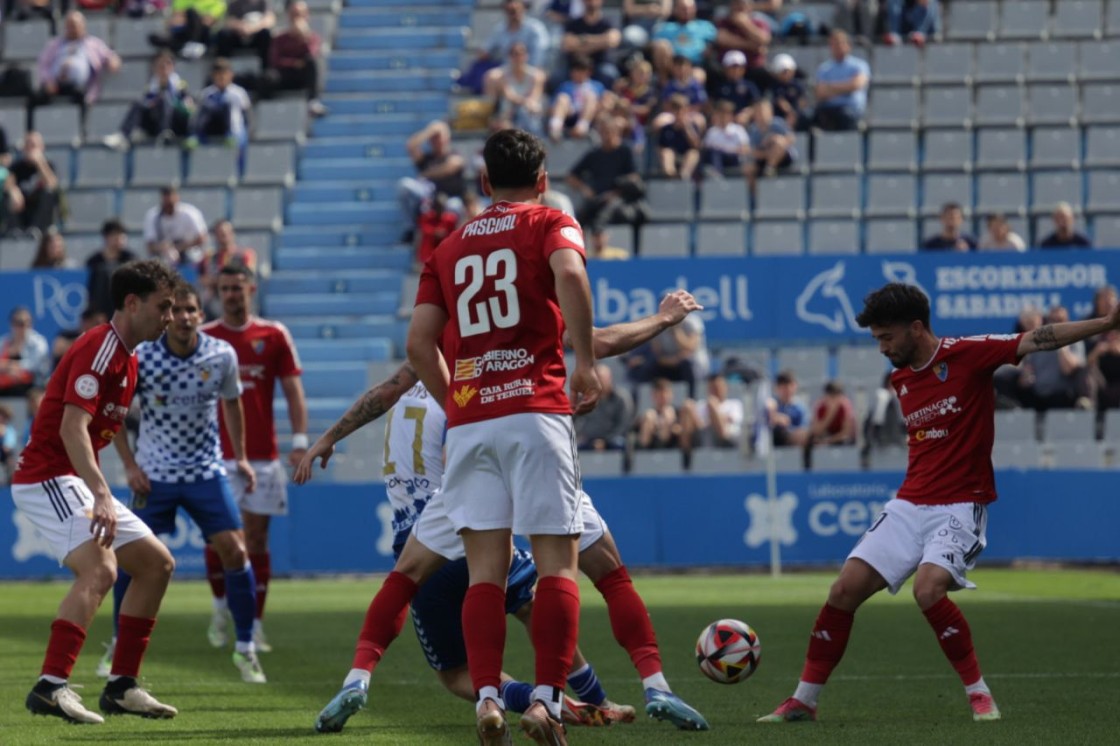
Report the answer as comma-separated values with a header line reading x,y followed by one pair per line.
x,y
941,370
86,386
204,374
161,400
258,346
463,396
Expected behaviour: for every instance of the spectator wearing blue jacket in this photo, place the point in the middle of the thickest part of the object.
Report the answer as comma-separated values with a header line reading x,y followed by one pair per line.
x,y
841,88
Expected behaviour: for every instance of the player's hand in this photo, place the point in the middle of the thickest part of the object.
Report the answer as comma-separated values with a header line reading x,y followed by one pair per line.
x,y
296,456
103,521
585,388
245,469
319,450
138,481
678,304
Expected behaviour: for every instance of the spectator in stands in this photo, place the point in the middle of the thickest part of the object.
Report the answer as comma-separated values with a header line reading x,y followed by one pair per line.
x,y
576,103
1000,237
593,35
718,421
248,25
679,140
951,237
788,420
640,17
223,112
114,252
517,27
175,231
190,26
11,201
1105,298
787,91
36,178
684,34
660,427
23,10
227,251
435,224
51,253
885,425
1104,361
1057,379
1065,236
24,356
605,427
293,59
439,170
74,64
772,144
735,87
740,31
66,337
164,112
834,418
639,90
726,143
916,21
607,179
517,89
841,89
5,149
9,442
680,353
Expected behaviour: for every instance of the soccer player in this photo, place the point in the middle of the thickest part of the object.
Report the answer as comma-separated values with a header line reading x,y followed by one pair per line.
x,y
59,486
934,529
442,598
178,460
265,353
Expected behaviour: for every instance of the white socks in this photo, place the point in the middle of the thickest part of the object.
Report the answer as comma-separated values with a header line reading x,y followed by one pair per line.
x,y
220,604
657,681
978,688
807,693
488,692
550,697
357,674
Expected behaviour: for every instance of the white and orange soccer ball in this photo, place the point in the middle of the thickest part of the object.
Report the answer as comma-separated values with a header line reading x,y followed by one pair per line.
x,y
728,651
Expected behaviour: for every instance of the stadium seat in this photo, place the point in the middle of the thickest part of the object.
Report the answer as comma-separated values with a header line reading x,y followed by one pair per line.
x,y
212,165
1001,149
261,208
777,238
891,195
132,38
82,247
1000,63
1100,103
1016,425
1102,146
894,107
100,167
1001,192
937,189
780,197
86,211
1106,231
1052,104
285,119
838,152
836,458
14,121
808,58
1100,60
892,151
1069,425
666,240
63,160
948,64
947,107
657,463
890,459
1051,187
565,154
1016,455
889,237
896,66
836,196
1083,454
212,203
127,84
196,74
104,119
135,205
1054,62
59,124
24,41
620,237
973,21
1077,19
270,164
834,237
600,463
1000,105
1104,191
1112,19
712,461
18,253
807,363
1057,147
790,460
723,199
721,239
860,366
156,167
1112,425
670,200
947,150
1025,19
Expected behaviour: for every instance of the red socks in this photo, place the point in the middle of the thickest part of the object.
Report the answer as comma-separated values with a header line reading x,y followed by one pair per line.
x,y
384,619
630,621
955,639
484,632
262,571
554,628
133,634
827,643
215,573
66,642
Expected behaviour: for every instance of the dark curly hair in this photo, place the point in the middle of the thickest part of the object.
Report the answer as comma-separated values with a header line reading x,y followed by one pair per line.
x,y
894,303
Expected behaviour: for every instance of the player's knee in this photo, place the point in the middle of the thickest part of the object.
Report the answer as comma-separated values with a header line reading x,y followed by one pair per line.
x,y
928,594
844,594
101,577
458,682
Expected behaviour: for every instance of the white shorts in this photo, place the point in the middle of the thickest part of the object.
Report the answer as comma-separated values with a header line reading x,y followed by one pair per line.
x,y
435,530
516,472
271,495
906,535
60,510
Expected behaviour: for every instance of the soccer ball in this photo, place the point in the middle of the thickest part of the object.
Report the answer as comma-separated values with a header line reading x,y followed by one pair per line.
x,y
728,651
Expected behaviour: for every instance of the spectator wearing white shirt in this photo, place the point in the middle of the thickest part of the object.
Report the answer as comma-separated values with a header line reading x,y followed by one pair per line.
x,y
726,143
175,231
223,109
1000,237
718,421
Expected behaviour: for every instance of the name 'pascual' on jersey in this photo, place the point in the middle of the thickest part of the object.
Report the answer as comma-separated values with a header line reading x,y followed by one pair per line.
x,y
489,226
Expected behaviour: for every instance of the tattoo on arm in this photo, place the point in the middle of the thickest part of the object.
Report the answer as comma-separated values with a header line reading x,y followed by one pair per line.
x,y
1045,339
364,411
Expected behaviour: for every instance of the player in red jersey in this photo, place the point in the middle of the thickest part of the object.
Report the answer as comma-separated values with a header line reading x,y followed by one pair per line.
x,y
59,486
935,527
265,354
499,294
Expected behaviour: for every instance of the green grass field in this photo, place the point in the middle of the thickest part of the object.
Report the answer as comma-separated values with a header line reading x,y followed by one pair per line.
x,y
1047,642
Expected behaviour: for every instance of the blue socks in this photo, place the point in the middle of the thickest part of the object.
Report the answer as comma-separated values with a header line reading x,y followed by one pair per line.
x,y
517,695
586,685
241,596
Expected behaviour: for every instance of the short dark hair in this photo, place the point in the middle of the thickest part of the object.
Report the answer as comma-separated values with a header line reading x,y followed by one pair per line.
x,y
221,65
951,206
169,189
182,289
18,310
894,303
236,269
785,377
513,159
580,61
141,277
111,226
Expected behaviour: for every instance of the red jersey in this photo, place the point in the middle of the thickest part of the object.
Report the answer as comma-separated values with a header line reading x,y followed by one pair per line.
x,y
265,352
97,374
502,340
949,406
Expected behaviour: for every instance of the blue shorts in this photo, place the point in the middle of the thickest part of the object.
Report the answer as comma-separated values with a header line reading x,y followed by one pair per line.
x,y
209,503
437,609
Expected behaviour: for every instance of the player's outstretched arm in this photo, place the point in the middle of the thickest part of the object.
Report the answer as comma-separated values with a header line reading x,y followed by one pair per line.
x,y
137,479
422,346
1055,336
618,339
369,406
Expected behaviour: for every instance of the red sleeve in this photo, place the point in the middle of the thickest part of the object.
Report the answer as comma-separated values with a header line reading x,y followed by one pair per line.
x,y
429,290
561,231
990,351
84,384
287,360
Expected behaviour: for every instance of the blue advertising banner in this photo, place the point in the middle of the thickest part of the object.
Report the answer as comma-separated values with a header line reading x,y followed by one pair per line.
x,y
666,522
816,299
56,297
